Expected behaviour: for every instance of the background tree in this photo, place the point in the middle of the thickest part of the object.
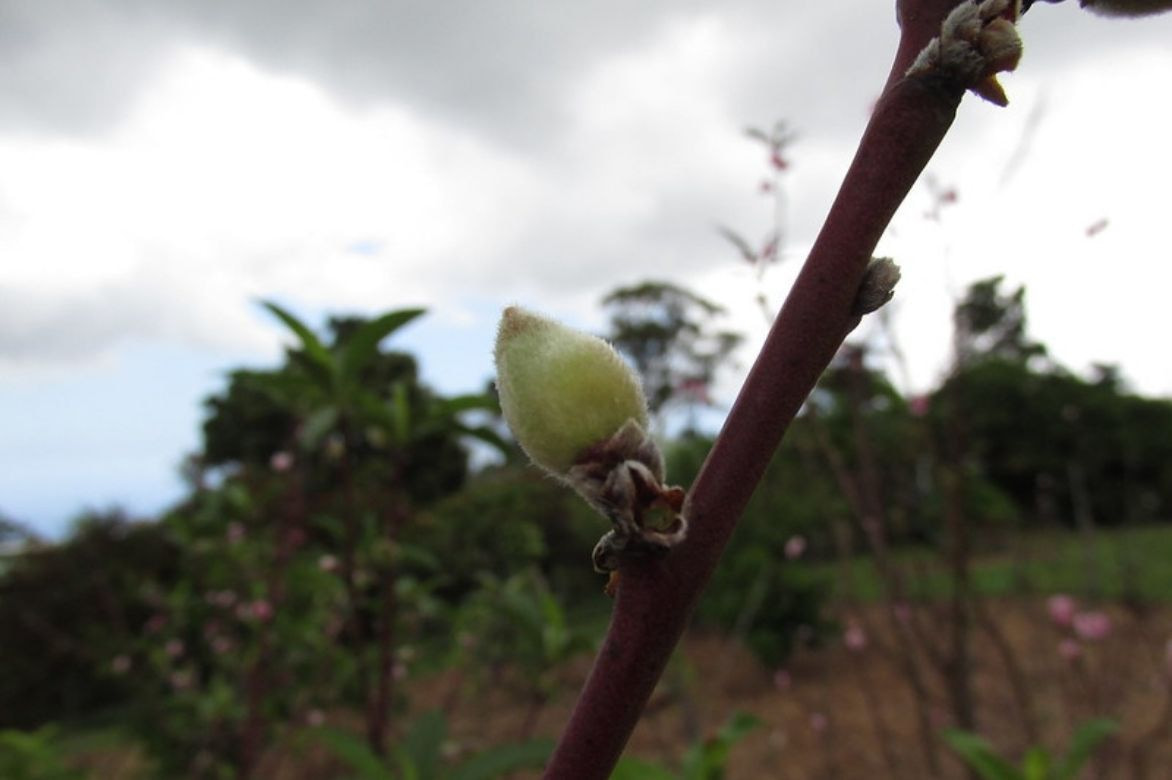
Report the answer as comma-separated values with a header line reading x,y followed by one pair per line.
x,y
670,335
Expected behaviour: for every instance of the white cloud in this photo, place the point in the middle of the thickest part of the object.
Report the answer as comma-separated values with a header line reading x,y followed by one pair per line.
x,y
173,165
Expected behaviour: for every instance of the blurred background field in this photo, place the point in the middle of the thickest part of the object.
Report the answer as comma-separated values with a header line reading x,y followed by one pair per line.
x,y
367,579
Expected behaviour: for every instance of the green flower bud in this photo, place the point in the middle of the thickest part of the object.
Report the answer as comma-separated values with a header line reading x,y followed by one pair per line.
x,y
562,391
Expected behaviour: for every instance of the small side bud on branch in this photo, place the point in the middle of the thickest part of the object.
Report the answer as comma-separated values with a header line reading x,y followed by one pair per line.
x,y
977,41
878,285
579,412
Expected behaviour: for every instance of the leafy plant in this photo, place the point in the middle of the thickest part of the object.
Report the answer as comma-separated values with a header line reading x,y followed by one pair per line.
x,y
1038,763
33,755
703,761
420,756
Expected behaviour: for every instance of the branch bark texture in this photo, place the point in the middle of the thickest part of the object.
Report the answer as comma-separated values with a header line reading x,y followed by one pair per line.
x,y
655,599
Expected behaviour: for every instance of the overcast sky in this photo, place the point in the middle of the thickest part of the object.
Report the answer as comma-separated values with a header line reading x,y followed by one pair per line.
x,y
165,163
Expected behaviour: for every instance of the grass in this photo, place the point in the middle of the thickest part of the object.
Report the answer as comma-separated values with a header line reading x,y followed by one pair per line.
x,y
1133,564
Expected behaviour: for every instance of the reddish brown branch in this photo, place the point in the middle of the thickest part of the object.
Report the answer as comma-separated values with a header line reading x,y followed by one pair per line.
x,y
655,598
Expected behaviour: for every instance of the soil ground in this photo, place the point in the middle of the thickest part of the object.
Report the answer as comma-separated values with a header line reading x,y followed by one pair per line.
x,y
844,713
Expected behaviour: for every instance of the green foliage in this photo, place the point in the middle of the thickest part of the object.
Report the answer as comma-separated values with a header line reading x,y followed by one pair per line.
x,y
346,402
991,324
1038,763
507,519
68,610
706,760
756,593
519,623
1037,435
420,755
34,755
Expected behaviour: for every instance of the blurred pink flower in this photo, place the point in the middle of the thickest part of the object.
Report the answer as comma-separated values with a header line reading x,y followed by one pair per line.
x,y
315,717
328,563
1069,649
174,647
156,623
855,638
819,722
1092,625
120,664
399,671
261,610
222,645
795,546
1061,608
281,461
919,405
235,533
782,680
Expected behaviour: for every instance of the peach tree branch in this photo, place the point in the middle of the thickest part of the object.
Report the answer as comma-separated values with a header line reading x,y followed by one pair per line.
x,y
656,596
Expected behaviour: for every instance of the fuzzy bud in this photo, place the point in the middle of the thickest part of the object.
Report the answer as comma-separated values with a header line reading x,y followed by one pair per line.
x,y
562,391
579,412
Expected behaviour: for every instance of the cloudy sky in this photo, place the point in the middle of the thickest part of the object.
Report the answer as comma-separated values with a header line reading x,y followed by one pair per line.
x,y
165,163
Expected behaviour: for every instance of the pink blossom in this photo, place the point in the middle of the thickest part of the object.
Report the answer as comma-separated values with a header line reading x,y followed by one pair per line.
x,y
795,546
1092,625
235,533
222,645
156,624
120,664
399,671
328,563
782,680
261,610
819,722
919,405
281,461
855,638
174,647
1062,609
315,717
1069,649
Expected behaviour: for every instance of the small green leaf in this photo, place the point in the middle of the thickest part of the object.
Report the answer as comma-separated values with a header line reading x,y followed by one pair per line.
x,y
355,752
707,760
1036,764
979,756
423,744
635,769
320,359
317,426
484,434
467,403
1085,741
497,761
362,346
